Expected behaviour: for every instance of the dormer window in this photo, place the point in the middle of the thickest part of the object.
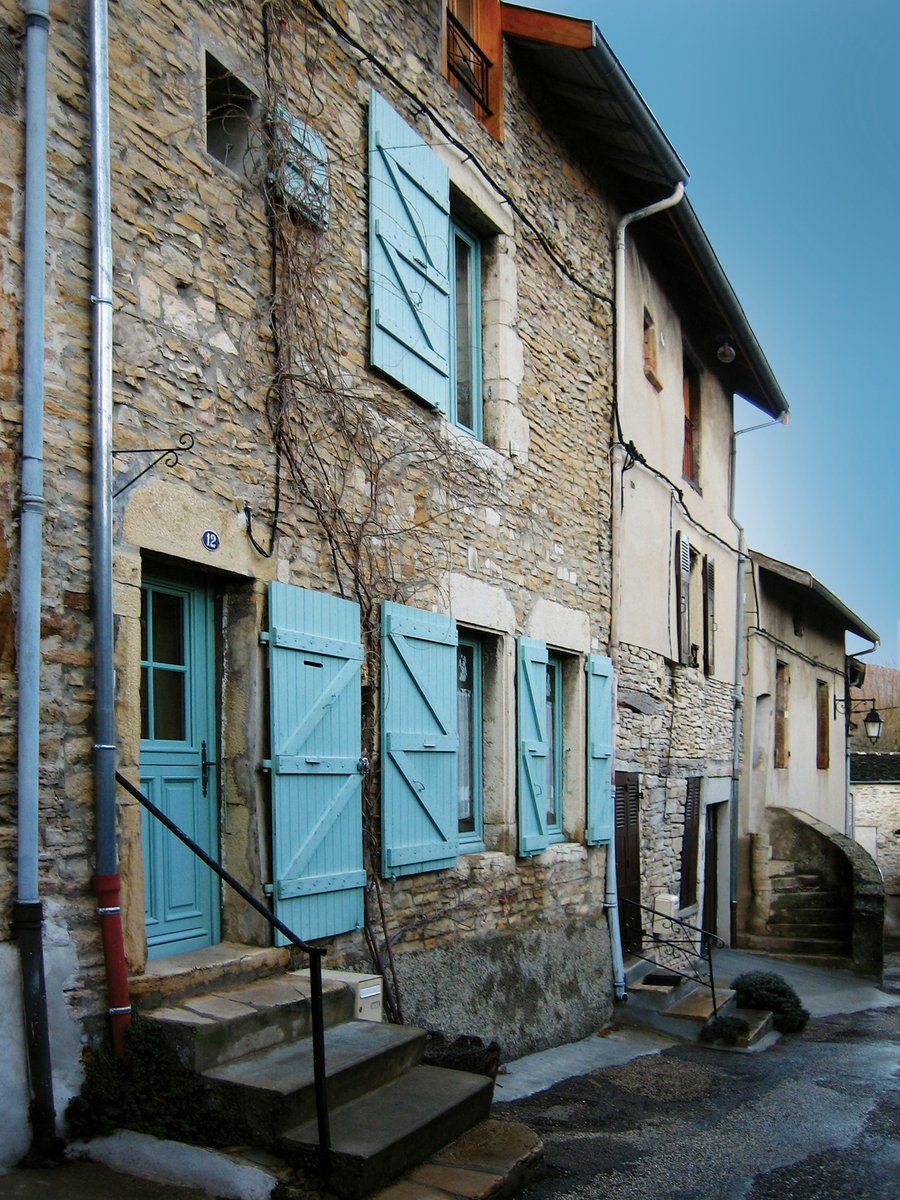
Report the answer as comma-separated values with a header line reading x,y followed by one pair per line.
x,y
473,62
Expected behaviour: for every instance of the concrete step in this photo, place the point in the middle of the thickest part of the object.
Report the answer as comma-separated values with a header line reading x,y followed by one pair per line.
x,y
217,1026
637,968
697,1005
273,1089
835,962
760,1022
379,1136
774,944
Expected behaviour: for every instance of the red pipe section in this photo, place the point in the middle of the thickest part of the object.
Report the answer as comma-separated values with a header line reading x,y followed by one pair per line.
x,y
108,889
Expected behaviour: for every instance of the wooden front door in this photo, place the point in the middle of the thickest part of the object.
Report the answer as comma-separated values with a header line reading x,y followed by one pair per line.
x,y
178,753
628,858
711,871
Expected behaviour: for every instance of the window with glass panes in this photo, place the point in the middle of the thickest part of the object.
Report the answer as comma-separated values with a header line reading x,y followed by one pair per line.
x,y
554,746
470,775
465,334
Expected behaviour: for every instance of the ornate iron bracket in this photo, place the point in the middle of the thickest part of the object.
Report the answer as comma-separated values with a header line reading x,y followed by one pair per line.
x,y
169,456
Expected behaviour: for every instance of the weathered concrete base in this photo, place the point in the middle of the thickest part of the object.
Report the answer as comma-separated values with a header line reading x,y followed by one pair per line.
x,y
528,990
60,967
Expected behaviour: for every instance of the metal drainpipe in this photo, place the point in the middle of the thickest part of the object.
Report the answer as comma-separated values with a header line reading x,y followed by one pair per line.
x,y
28,910
640,214
106,881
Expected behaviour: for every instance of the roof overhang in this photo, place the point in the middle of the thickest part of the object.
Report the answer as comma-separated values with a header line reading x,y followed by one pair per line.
x,y
804,580
587,96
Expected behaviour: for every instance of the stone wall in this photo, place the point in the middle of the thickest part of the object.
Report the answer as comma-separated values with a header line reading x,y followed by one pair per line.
x,y
673,723
877,807
193,353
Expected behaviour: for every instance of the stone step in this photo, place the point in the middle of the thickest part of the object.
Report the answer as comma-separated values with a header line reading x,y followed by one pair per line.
x,y
217,1026
815,930
379,1136
811,899
795,883
809,915
816,947
273,1089
697,1005
167,981
637,968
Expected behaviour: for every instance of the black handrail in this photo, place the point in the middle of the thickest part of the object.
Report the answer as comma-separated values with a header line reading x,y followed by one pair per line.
x,y
315,953
684,945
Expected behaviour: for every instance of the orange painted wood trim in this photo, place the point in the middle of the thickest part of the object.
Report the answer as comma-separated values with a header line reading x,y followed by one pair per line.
x,y
571,32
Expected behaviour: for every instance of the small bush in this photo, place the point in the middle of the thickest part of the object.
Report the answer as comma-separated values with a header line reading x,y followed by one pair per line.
x,y
765,989
146,1089
729,1030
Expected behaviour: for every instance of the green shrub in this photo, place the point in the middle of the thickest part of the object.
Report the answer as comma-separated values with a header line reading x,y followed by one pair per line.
x,y
146,1089
729,1030
765,989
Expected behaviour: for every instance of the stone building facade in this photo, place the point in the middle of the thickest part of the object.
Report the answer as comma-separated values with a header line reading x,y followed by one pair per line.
x,y
242,301
364,592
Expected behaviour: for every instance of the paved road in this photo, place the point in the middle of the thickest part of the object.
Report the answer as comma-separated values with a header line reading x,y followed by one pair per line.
x,y
816,1117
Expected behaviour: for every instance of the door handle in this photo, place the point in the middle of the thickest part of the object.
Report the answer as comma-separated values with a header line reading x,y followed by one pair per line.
x,y
205,764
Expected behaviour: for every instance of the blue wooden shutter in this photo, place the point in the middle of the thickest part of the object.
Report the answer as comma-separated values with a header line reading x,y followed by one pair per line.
x,y
303,169
409,257
419,741
315,659
599,827
531,690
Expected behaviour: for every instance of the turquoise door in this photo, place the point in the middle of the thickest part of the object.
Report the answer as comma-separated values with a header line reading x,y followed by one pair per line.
x,y
178,765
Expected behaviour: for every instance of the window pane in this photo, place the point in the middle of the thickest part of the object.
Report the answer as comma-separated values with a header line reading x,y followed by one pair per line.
x,y
552,747
168,706
465,703
168,628
145,704
143,624
464,413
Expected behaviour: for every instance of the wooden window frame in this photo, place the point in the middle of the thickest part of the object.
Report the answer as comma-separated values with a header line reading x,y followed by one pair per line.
x,y
487,34
690,459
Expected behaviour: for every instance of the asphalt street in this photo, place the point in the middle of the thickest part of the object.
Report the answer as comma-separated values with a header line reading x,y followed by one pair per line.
x,y
816,1117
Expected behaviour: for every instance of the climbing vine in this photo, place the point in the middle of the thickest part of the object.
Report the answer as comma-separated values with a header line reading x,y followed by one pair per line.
x,y
380,478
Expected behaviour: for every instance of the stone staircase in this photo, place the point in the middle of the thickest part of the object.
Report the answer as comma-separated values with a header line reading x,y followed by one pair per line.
x,y
679,1007
805,922
249,1041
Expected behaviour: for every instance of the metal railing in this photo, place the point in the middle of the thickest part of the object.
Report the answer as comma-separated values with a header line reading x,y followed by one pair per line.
x,y
467,62
315,954
684,949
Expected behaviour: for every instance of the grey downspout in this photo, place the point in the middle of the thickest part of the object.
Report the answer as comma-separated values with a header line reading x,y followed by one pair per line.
x,y
28,909
106,882
737,735
640,214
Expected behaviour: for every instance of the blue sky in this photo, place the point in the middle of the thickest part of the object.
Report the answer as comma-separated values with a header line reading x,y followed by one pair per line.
x,y
786,112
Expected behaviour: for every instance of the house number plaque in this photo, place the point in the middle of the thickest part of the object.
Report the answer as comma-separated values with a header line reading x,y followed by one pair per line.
x,y
210,539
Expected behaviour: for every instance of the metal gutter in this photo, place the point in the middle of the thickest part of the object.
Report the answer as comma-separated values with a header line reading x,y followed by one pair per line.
x,y
106,882
28,911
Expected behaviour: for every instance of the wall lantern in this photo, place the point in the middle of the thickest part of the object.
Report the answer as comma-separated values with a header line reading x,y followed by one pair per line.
x,y
873,724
